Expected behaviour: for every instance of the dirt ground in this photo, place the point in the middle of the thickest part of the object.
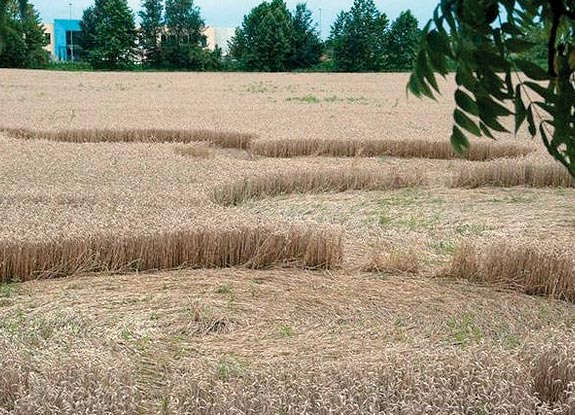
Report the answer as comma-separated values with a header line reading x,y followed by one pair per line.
x,y
272,341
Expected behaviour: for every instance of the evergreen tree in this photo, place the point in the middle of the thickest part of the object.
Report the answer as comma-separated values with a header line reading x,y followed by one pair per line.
x,y
23,37
275,42
150,31
307,46
6,25
86,38
272,39
109,34
402,42
358,38
184,46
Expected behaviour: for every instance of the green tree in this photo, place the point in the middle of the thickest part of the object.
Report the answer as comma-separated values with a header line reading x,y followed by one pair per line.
x,y
536,34
23,38
402,42
86,38
358,38
150,31
307,46
109,35
184,46
264,40
486,41
5,28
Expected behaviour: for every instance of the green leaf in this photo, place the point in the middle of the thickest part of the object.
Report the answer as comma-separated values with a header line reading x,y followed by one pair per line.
x,y
549,108
466,103
423,68
531,121
418,86
413,86
546,93
459,141
486,131
520,110
532,70
439,47
488,115
515,45
489,106
466,123
464,77
511,29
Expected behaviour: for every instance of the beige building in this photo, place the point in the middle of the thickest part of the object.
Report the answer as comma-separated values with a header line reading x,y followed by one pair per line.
x,y
49,30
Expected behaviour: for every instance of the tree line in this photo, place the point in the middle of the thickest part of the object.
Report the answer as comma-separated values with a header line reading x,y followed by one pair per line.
x,y
171,37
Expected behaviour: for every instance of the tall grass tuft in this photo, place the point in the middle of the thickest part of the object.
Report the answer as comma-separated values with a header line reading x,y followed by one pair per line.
x,y
311,181
224,139
509,173
375,148
527,268
206,247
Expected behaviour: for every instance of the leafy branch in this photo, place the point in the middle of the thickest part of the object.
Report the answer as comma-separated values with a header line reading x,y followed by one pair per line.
x,y
485,50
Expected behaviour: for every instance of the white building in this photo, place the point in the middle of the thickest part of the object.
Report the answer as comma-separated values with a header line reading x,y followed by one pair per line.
x,y
219,36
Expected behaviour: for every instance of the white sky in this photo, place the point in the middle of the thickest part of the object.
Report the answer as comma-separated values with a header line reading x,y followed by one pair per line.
x,y
230,12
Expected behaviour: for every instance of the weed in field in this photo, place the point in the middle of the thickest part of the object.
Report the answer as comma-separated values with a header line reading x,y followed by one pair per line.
x,y
286,330
260,87
224,289
308,99
229,367
444,247
420,222
8,290
464,330
384,218
467,229
333,98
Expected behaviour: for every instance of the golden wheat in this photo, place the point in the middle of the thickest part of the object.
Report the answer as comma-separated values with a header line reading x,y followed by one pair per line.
x,y
194,151
312,181
390,385
393,261
554,376
224,139
509,173
374,148
209,247
528,268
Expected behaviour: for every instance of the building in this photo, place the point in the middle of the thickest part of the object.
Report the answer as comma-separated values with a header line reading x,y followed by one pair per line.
x,y
220,37
63,37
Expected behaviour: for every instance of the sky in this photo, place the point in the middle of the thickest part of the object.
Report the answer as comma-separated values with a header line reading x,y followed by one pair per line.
x,y
229,13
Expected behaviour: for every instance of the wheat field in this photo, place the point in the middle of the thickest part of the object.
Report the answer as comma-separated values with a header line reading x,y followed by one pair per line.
x,y
191,243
